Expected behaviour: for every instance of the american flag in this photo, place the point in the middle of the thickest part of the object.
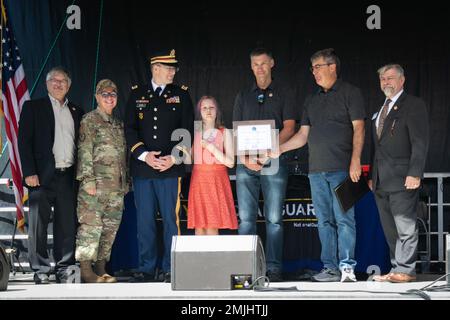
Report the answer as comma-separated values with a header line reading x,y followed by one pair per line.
x,y
14,94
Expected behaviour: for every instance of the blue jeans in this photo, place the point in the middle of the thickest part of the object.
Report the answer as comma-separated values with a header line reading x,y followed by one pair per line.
x,y
248,185
337,230
151,195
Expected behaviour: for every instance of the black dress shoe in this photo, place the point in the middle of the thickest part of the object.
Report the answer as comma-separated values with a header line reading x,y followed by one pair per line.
x,y
41,278
274,276
61,276
163,277
142,277
64,279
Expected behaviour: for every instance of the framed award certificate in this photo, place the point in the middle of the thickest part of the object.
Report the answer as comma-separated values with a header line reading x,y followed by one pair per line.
x,y
254,137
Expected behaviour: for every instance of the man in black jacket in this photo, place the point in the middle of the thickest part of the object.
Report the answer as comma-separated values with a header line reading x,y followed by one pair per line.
x,y
48,134
400,138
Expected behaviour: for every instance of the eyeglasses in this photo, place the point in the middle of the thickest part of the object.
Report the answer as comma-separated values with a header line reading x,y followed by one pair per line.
x,y
106,95
57,81
318,66
169,68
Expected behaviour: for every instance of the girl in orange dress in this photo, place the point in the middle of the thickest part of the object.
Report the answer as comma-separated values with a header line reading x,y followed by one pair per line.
x,y
210,202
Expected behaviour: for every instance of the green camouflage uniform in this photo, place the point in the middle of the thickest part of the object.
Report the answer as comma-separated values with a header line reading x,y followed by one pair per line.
x,y
101,164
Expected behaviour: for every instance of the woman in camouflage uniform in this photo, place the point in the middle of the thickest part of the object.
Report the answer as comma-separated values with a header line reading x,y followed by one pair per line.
x,y
103,184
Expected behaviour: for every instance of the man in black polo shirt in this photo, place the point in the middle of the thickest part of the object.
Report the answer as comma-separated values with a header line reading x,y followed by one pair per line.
x,y
266,99
333,125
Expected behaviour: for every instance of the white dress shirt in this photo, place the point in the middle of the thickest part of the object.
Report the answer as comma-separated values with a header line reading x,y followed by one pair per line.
x,y
64,144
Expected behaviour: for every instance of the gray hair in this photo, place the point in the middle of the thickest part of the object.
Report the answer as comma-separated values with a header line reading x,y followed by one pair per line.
x,y
61,70
390,66
329,55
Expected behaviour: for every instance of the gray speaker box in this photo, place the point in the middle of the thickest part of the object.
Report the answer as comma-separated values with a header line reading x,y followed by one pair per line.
x,y
222,262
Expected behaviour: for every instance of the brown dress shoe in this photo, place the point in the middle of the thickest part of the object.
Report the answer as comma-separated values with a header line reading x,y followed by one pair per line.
x,y
383,278
401,278
109,279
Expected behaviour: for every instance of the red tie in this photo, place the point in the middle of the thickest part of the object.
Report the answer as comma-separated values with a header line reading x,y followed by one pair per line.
x,y
383,116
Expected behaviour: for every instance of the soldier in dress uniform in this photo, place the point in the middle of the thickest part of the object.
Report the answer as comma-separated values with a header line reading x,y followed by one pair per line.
x,y
102,173
154,111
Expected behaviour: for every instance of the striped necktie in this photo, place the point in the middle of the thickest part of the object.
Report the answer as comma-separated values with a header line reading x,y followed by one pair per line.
x,y
383,116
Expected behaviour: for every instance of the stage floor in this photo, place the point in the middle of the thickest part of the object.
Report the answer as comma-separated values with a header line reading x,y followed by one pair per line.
x,y
21,286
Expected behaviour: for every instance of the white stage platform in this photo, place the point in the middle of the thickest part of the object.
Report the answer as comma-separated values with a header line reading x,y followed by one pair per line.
x,y
22,287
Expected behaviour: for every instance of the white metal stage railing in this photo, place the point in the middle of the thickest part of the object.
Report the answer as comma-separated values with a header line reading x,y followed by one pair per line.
x,y
440,209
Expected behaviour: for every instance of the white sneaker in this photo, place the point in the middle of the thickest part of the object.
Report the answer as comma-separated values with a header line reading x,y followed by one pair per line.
x,y
347,275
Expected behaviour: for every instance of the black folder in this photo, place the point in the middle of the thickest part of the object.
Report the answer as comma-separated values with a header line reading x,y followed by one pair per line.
x,y
349,192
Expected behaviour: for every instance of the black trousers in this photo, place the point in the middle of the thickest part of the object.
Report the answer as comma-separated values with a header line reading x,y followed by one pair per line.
x,y
60,194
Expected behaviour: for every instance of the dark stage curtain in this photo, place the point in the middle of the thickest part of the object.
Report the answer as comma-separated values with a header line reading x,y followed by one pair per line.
x,y
213,40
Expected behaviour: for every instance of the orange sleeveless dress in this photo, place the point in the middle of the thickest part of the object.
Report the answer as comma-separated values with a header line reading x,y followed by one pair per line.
x,y
210,202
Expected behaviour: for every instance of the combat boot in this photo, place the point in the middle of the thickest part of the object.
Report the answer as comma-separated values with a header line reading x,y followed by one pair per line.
x,y
87,275
99,268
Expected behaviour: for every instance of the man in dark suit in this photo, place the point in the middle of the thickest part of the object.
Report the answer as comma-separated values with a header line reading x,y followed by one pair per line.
x,y
400,139
48,134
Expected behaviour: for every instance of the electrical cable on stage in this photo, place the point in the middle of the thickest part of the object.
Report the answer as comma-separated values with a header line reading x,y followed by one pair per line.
x,y
421,292
266,286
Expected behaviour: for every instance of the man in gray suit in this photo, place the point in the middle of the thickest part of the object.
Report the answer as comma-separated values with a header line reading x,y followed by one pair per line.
x,y
400,138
